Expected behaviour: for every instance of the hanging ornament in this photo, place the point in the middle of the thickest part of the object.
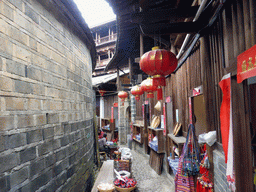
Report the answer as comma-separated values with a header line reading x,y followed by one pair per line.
x,y
158,63
102,92
122,95
147,86
137,92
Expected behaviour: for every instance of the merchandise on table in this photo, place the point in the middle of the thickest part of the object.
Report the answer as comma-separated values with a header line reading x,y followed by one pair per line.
x,y
173,163
106,187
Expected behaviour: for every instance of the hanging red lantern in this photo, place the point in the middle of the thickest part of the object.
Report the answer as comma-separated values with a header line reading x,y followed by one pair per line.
x,y
122,95
102,92
158,63
137,92
147,86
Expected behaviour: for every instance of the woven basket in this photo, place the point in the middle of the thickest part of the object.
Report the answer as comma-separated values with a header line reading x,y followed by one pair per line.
x,y
125,189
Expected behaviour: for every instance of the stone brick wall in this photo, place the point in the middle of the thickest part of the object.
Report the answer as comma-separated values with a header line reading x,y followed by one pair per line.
x,y
46,100
220,179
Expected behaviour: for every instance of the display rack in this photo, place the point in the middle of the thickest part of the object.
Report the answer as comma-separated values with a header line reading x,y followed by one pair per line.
x,y
138,129
152,132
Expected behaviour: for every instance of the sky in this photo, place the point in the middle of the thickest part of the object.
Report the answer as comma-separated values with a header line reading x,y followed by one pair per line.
x,y
95,12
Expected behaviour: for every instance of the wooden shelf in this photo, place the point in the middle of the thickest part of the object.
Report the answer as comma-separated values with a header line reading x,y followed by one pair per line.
x,y
137,129
179,141
160,138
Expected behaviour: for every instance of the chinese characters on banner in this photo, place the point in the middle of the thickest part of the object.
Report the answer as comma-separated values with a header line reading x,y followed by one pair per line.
x,y
164,114
246,64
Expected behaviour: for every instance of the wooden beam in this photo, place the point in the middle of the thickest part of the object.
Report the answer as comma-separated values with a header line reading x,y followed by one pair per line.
x,y
153,16
169,28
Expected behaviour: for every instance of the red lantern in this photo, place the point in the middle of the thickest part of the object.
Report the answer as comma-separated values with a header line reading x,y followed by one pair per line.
x,y
122,95
137,91
147,86
102,92
158,63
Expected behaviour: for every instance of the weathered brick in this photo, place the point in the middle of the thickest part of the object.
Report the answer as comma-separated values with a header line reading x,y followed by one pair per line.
x,y
34,104
7,122
26,121
45,148
56,144
74,127
19,176
5,183
32,44
15,140
6,10
23,87
31,13
34,73
52,118
60,167
48,133
64,140
15,68
67,128
14,103
36,167
16,3
58,130
8,162
27,154
6,84
6,47
61,178
38,89
38,182
22,53
50,160
61,154
2,143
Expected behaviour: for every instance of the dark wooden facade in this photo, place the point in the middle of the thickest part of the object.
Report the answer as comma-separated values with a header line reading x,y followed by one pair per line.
x,y
215,55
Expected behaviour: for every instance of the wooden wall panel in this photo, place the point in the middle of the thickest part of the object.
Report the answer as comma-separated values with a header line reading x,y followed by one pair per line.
x,y
108,103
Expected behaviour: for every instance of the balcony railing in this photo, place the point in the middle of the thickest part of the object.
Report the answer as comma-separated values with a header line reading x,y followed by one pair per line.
x,y
102,62
106,39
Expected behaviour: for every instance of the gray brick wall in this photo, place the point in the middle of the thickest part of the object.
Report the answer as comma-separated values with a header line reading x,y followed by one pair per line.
x,y
220,179
46,128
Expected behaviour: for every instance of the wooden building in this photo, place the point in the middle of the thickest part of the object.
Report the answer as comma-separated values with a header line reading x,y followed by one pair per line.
x,y
207,37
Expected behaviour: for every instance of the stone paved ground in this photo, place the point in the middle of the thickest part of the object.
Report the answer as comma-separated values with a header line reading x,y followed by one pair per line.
x,y
148,180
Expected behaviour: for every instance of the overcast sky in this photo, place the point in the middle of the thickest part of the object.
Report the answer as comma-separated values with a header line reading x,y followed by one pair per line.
x,y
95,12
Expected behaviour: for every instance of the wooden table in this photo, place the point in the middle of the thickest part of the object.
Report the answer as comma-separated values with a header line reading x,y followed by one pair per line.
x,y
106,174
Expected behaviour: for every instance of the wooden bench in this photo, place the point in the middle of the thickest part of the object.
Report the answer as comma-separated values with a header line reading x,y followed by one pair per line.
x,y
106,174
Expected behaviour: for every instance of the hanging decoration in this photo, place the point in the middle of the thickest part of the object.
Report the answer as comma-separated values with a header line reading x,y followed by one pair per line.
x,y
137,92
122,95
227,129
147,86
158,63
102,92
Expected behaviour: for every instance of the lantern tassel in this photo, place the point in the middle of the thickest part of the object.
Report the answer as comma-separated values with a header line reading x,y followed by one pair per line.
x,y
159,93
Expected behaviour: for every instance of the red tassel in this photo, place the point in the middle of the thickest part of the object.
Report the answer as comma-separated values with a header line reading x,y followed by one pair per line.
x,y
159,93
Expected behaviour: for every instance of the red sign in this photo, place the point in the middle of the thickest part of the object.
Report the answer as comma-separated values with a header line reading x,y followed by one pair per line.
x,y
246,64
115,104
197,91
112,115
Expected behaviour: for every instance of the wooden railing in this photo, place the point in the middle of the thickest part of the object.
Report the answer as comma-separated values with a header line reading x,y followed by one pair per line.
x,y
106,39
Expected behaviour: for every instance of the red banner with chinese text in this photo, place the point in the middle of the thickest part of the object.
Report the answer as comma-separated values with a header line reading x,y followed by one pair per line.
x,y
246,64
112,114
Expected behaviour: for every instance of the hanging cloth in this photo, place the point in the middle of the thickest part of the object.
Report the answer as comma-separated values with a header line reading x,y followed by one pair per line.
x,y
227,128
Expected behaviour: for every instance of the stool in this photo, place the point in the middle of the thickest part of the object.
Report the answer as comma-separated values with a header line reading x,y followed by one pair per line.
x,y
103,154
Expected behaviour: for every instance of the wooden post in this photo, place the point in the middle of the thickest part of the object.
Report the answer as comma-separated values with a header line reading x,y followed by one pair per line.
x,y
141,45
208,94
118,80
242,139
130,69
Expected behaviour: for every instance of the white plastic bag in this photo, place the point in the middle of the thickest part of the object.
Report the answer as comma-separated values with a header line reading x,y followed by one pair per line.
x,y
210,137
